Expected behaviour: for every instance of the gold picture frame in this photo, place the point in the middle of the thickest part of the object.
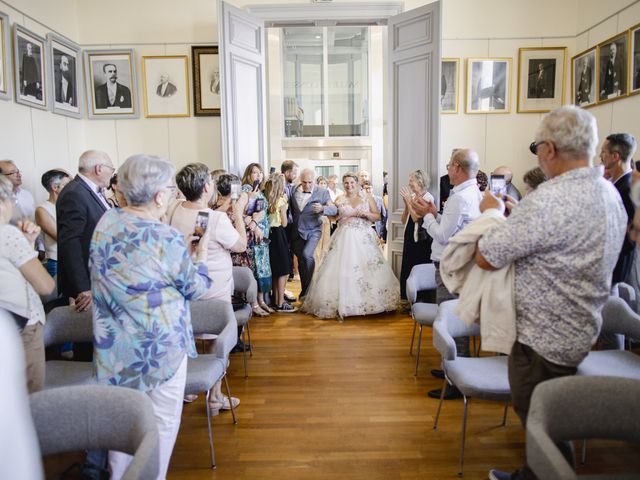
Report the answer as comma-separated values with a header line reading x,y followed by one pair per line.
x,y
165,84
613,68
583,78
488,85
449,85
541,78
634,60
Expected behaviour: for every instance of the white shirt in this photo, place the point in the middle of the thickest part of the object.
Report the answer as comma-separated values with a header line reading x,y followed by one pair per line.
x,y
335,194
24,207
302,197
97,191
50,244
462,207
111,91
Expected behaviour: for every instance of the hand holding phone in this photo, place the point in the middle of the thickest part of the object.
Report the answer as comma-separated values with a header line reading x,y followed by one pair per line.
x,y
202,221
498,186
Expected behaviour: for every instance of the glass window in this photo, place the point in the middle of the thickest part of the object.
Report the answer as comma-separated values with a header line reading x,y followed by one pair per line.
x,y
324,171
346,86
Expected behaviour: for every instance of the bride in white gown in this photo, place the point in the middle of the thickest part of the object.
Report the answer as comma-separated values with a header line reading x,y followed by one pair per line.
x,y
354,277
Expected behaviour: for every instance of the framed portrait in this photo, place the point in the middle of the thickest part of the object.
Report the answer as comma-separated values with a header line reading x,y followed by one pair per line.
x,y
612,68
583,78
166,86
5,58
449,85
28,58
206,81
488,85
64,60
110,77
634,62
541,78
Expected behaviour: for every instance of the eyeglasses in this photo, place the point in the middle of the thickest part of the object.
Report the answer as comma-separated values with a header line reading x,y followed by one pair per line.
x,y
449,165
113,169
9,174
533,148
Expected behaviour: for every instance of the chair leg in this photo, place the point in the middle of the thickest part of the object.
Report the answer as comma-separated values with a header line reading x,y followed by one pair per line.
x,y
504,417
413,335
415,374
233,410
250,342
584,451
464,434
213,457
442,391
244,354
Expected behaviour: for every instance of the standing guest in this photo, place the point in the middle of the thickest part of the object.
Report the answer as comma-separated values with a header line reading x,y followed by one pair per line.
x,y
23,278
512,191
116,200
53,181
323,244
363,176
616,155
79,207
462,207
417,243
24,204
574,225
289,169
532,179
322,182
142,278
252,185
379,225
332,186
279,246
308,205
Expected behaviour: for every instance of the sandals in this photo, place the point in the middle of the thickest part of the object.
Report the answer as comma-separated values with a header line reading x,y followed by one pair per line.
x,y
266,308
257,310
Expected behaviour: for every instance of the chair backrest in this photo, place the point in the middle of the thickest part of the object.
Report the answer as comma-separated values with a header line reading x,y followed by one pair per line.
x,y
422,277
101,417
572,408
215,316
245,282
64,325
448,326
627,293
618,317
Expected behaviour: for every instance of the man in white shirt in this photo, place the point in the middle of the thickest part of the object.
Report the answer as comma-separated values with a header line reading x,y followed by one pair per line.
x,y
460,209
25,206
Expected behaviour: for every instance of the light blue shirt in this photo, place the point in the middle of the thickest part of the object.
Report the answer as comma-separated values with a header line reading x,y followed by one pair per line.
x,y
462,207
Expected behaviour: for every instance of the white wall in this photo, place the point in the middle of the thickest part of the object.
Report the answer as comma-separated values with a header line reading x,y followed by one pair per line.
x,y
40,140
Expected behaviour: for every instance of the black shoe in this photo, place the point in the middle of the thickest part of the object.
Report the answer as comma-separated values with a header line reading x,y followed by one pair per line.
x,y
240,347
436,372
451,393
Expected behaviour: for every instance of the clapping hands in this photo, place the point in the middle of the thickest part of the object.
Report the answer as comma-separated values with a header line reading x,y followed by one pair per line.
x,y
422,207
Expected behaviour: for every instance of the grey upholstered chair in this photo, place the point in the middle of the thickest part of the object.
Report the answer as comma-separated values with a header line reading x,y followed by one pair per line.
x,y
203,372
71,419
618,318
572,408
422,277
64,325
627,293
244,282
478,377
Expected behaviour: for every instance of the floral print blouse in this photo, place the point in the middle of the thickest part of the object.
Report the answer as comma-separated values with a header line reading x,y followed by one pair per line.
x,y
141,278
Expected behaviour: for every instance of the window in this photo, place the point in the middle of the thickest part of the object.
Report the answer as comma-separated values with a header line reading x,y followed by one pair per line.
x,y
325,81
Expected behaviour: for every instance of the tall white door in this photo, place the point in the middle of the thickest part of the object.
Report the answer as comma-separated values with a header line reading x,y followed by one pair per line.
x,y
242,90
414,48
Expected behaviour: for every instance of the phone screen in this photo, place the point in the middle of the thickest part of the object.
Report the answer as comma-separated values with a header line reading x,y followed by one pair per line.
x,y
202,221
236,189
498,185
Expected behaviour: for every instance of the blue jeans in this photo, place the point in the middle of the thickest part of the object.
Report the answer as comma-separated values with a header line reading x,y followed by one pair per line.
x,y
52,267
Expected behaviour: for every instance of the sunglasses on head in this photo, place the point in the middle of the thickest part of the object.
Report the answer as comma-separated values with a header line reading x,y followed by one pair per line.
x,y
533,148
636,163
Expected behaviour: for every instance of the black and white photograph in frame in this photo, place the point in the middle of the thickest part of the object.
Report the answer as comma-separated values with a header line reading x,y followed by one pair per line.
x,y
206,80
612,68
110,76
449,85
6,81
488,85
166,86
64,62
541,78
634,38
583,78
28,59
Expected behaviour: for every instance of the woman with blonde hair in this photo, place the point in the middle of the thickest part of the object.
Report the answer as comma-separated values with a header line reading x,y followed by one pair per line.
x,y
279,246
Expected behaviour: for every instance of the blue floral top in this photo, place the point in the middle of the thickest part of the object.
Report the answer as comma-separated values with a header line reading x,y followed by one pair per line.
x,y
141,279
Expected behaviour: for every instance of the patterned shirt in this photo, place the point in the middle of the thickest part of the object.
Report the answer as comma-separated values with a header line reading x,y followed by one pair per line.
x,y
564,239
141,279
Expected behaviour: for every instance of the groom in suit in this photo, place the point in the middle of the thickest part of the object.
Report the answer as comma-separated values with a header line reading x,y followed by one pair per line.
x,y
308,203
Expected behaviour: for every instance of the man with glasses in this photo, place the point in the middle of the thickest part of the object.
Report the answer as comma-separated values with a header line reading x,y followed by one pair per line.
x,y
78,209
563,240
24,205
460,209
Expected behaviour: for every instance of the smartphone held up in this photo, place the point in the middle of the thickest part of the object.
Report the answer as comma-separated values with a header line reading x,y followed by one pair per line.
x,y
202,221
498,185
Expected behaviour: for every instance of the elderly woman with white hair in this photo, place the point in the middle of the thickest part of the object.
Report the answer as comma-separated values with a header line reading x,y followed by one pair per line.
x,y
142,276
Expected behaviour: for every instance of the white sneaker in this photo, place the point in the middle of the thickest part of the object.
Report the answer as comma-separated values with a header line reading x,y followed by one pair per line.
x,y
227,406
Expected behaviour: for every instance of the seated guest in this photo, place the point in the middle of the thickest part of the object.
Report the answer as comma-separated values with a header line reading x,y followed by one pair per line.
x,y
53,181
532,179
512,191
23,278
117,199
142,277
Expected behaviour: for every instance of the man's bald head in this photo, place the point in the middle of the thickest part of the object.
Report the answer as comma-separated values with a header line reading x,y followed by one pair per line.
x,y
307,177
504,170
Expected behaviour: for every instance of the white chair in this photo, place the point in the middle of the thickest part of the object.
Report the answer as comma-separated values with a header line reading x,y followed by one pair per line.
x,y
422,277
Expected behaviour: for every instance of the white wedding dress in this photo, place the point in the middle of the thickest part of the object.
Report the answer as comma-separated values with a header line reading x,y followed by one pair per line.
x,y
354,277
